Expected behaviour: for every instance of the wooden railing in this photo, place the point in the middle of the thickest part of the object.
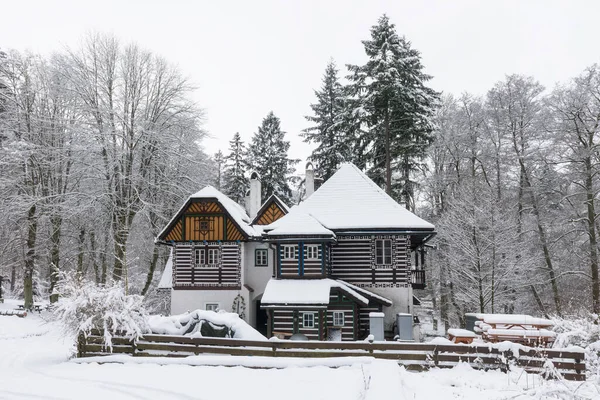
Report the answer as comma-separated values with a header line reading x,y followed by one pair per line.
x,y
414,356
417,278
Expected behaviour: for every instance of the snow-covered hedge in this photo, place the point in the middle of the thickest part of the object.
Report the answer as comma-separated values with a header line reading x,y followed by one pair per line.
x,y
201,323
583,332
84,306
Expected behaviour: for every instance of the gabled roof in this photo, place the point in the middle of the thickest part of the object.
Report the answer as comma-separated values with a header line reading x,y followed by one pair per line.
x,y
315,292
166,280
235,211
297,223
272,199
351,200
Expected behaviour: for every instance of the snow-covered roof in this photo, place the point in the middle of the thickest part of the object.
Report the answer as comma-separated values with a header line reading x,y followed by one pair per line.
x,y
305,292
236,211
368,293
166,280
297,223
351,200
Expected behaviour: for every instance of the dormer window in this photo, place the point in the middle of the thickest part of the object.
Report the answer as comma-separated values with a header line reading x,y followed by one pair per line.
x,y
290,252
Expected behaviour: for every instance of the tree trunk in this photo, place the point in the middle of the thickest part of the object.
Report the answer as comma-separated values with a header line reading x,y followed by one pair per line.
x,y
388,156
56,223
151,270
30,257
593,243
536,296
80,254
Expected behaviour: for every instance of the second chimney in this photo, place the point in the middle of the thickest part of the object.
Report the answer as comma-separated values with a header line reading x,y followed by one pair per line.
x,y
255,195
309,180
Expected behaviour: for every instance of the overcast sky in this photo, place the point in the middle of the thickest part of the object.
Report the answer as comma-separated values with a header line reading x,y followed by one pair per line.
x,y
250,57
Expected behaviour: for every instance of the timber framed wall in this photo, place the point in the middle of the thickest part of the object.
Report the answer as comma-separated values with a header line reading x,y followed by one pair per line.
x,y
203,220
226,275
353,260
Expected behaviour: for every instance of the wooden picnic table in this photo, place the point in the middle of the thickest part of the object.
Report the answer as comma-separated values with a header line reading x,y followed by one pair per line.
x,y
523,329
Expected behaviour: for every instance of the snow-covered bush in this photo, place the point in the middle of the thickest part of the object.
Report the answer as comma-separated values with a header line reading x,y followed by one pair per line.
x,y
582,332
84,306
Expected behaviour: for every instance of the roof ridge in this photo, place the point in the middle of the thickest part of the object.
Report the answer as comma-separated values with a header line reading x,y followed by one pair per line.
x,y
377,188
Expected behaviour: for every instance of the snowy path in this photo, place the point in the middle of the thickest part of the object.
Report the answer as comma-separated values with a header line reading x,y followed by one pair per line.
x,y
34,365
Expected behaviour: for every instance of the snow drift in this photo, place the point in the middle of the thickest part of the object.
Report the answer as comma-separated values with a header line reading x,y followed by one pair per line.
x,y
201,323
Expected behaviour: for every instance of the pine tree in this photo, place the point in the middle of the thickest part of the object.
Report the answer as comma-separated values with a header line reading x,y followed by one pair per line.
x,y
235,183
394,106
268,156
327,132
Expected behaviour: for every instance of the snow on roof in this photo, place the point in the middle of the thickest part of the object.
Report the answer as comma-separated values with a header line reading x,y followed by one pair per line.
x,y
305,291
166,280
351,200
297,223
368,293
236,211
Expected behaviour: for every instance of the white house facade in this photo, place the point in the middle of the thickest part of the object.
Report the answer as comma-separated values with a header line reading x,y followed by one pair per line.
x,y
318,268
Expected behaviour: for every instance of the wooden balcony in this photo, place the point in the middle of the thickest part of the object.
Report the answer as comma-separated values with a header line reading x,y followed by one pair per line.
x,y
417,278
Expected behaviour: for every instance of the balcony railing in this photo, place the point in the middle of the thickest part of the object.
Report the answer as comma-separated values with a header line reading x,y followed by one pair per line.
x,y
417,278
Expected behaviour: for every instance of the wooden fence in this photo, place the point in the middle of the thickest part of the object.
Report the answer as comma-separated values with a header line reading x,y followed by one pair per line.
x,y
414,356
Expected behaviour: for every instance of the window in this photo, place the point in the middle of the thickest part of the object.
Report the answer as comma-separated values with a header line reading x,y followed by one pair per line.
x,y
204,225
212,307
383,252
312,251
308,320
338,318
207,258
200,257
290,252
213,256
260,257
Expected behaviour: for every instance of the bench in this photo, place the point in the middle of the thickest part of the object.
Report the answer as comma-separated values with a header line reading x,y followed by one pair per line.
x,y
39,307
461,336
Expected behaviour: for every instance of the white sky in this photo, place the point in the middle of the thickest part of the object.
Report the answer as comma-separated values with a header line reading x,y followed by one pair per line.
x,y
250,57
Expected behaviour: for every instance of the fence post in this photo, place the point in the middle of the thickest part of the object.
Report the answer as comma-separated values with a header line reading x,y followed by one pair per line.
x,y
370,346
436,353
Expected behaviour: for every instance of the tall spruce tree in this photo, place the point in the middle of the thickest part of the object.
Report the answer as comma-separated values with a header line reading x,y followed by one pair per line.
x,y
327,132
268,156
394,107
235,182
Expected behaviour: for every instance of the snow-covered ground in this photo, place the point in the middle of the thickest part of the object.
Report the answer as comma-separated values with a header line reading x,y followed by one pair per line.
x,y
35,364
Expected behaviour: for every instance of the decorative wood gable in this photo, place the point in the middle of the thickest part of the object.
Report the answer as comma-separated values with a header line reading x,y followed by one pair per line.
x,y
203,220
272,210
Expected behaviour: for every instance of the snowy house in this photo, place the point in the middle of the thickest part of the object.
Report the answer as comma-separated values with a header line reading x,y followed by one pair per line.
x,y
318,268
